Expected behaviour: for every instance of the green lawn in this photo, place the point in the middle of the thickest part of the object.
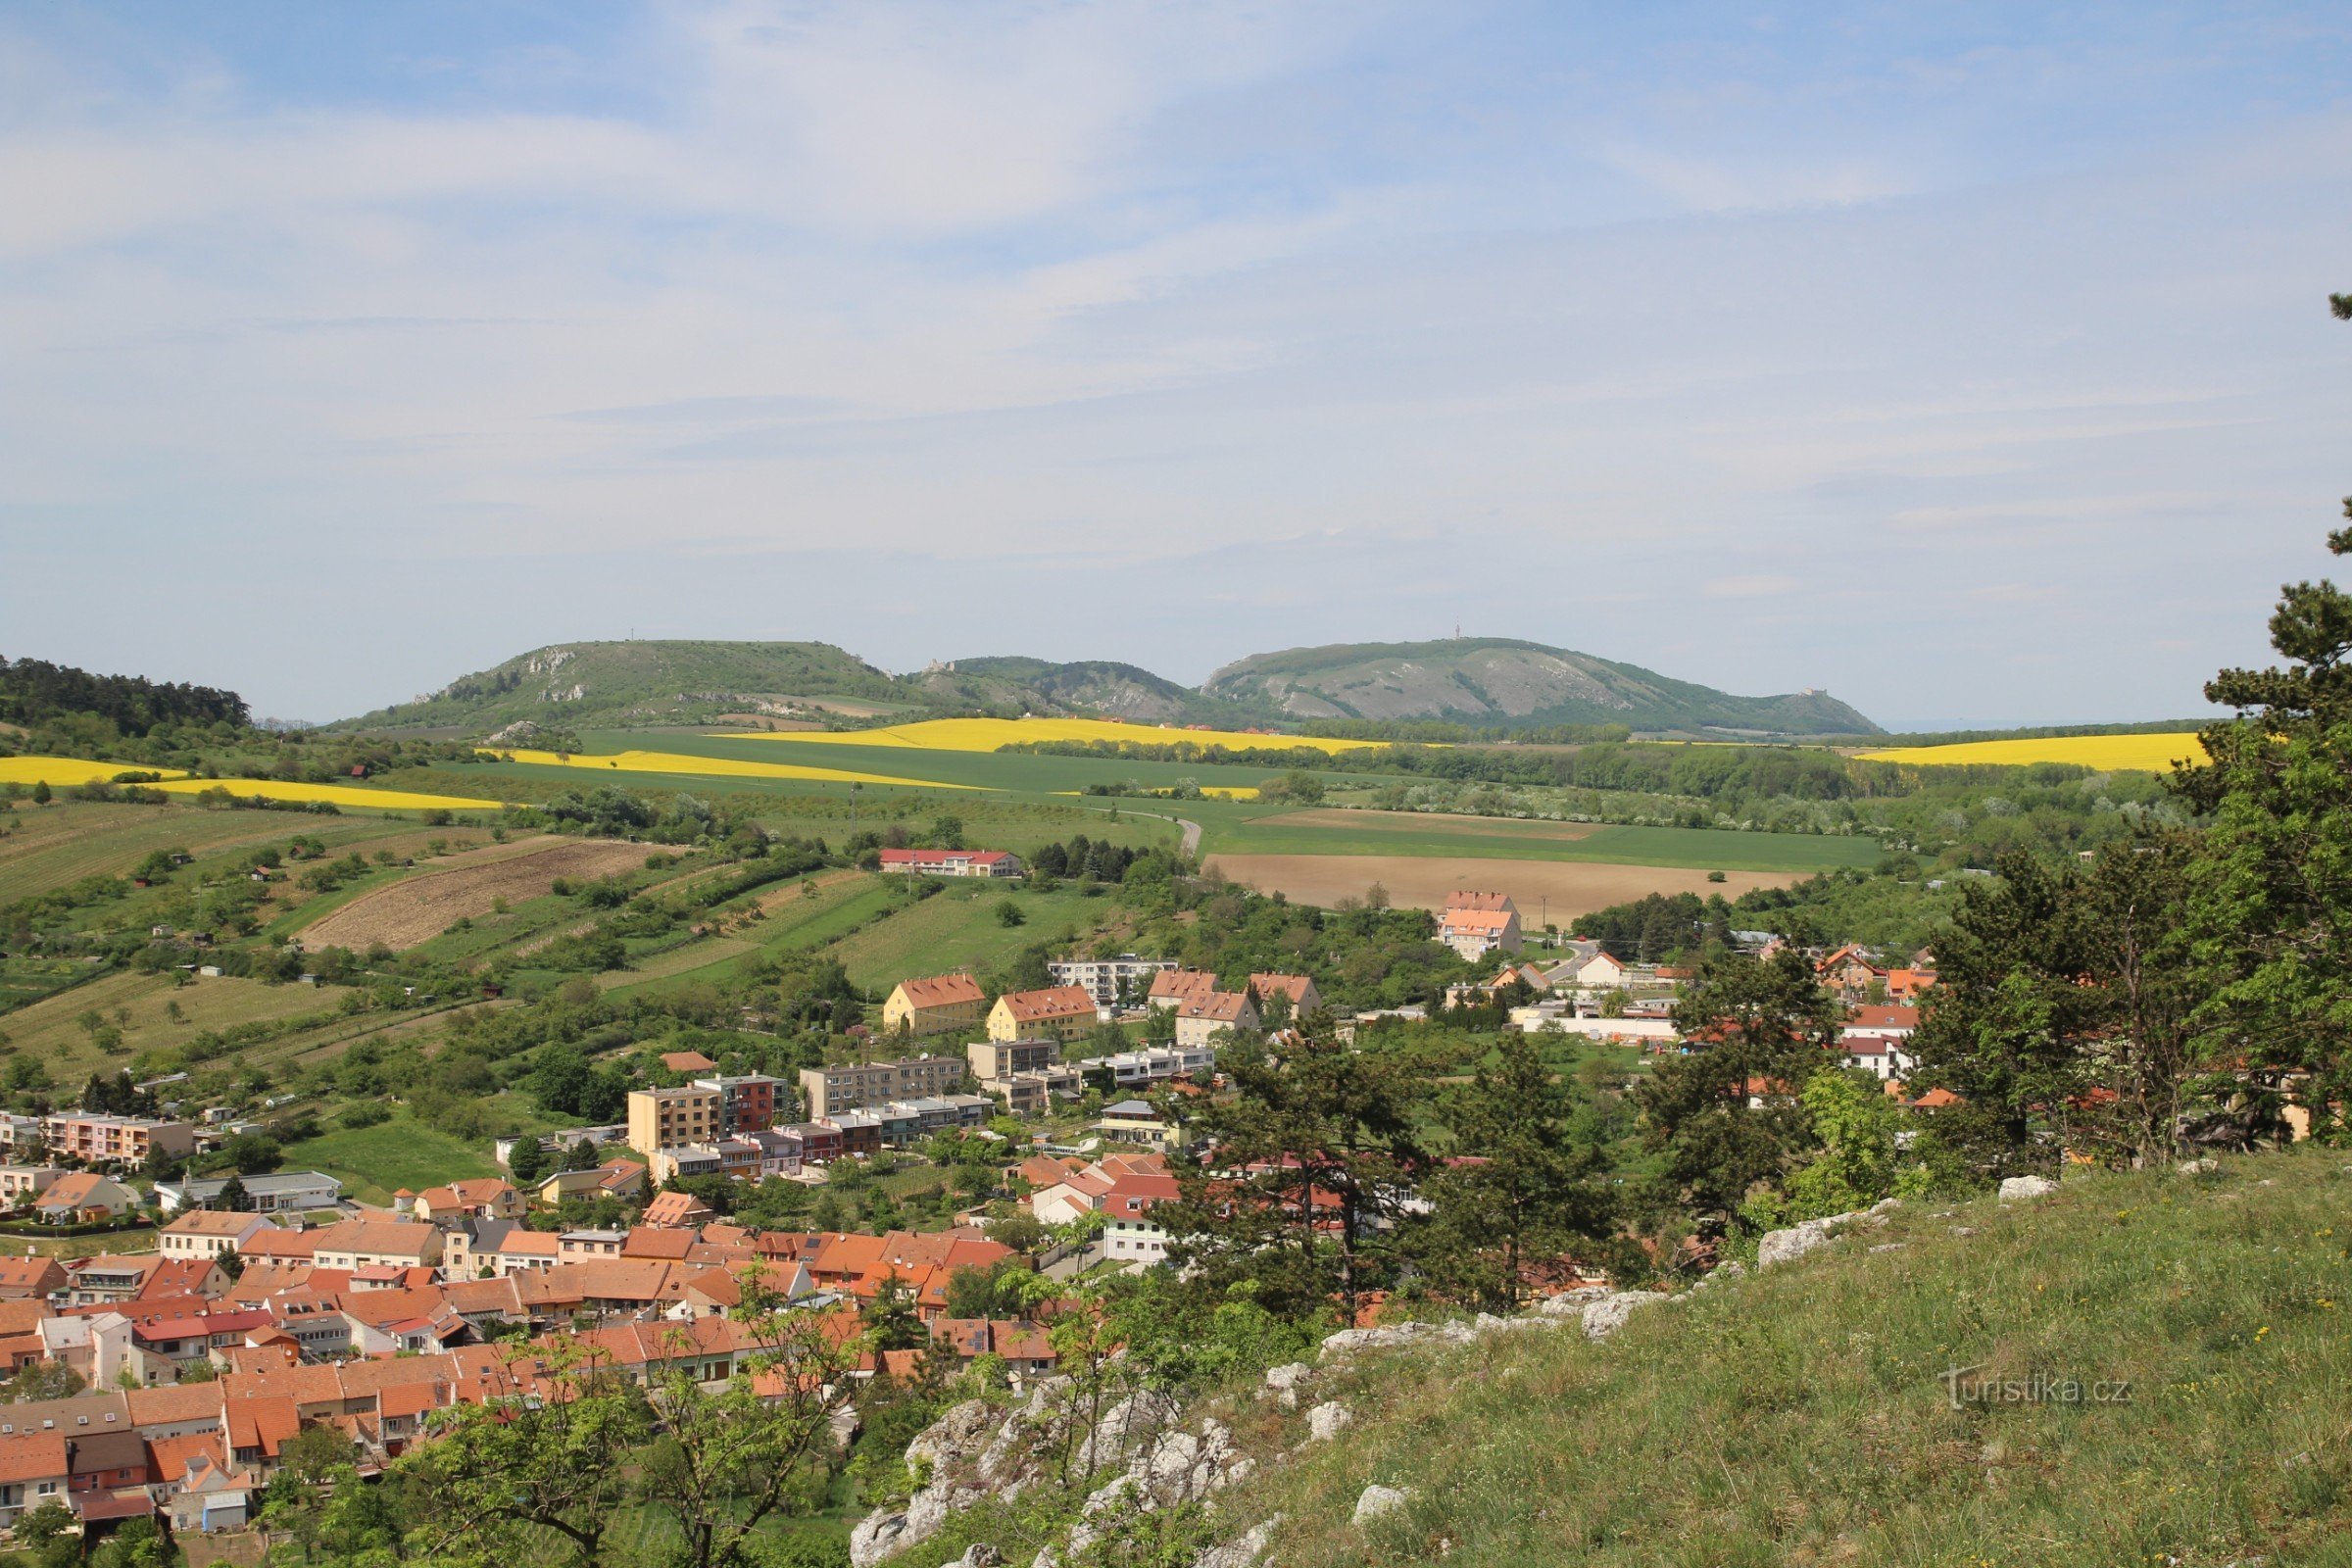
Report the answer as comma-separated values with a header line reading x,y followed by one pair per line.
x,y
372,1163
958,929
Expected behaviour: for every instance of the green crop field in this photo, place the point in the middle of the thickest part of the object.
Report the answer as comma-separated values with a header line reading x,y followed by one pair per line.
x,y
372,1163
1703,849
958,929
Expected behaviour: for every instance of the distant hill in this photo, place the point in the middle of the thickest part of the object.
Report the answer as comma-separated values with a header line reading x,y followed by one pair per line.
x,y
617,684
1089,686
1490,679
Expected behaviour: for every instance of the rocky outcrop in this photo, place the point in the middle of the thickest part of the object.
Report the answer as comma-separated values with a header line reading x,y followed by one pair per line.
x,y
2025,1189
1377,1501
1788,1246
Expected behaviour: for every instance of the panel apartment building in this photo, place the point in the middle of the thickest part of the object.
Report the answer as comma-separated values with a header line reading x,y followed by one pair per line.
x,y
827,1089
1110,980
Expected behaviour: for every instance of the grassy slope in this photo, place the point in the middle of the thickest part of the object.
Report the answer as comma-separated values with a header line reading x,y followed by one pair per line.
x,y
68,840
373,1161
47,1031
1798,1416
957,929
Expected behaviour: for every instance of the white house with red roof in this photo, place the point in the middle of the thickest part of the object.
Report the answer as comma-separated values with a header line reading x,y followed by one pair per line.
x,y
1474,924
952,863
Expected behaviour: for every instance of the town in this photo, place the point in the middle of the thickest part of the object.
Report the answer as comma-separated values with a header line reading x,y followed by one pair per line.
x,y
273,1311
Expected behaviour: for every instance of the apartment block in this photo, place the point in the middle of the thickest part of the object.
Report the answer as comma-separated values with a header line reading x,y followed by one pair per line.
x,y
827,1090
116,1140
671,1118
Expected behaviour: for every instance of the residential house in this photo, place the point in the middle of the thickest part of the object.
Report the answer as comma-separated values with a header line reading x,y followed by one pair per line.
x,y
691,1062
1474,924
20,1182
34,1470
1296,989
1135,1121
1172,986
937,1004
676,1211
30,1278
1201,1019
1061,1012
952,863
362,1243
616,1178
85,1197
210,1233
474,1198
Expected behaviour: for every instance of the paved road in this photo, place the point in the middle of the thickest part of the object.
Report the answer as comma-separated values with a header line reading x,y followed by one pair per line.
x,y
1191,831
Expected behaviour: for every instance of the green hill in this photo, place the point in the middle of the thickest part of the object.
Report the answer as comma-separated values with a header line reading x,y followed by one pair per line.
x,y
610,685
1495,679
576,685
1087,686
2155,1371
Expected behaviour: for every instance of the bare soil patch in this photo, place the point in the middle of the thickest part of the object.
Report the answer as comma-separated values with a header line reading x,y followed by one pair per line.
x,y
466,886
1432,823
1554,889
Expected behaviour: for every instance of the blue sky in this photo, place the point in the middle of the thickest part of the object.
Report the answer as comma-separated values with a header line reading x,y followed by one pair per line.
x,y
1971,361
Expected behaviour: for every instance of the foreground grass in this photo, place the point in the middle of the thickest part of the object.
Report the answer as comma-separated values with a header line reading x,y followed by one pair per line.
x,y
1799,1417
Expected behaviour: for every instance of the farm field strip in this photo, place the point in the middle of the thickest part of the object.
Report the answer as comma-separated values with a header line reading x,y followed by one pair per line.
x,y
1698,848
418,909
988,734
2152,754
62,843
1556,891
49,1031
1428,824
681,765
61,773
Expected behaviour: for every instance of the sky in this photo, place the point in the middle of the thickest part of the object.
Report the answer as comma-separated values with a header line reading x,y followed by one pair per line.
x,y
1971,361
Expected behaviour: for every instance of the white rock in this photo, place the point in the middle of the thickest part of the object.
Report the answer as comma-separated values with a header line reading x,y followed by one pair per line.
x,y
1349,1341
1287,1376
1328,1420
1788,1246
1607,1315
1288,1398
1242,1553
2198,1168
1377,1501
2021,1189
980,1554
1889,1247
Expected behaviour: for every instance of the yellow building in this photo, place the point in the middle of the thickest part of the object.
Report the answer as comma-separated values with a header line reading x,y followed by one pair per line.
x,y
939,1005
1059,1012
668,1118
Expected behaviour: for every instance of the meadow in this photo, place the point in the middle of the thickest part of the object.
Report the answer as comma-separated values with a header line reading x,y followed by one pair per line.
x,y
2151,754
372,1163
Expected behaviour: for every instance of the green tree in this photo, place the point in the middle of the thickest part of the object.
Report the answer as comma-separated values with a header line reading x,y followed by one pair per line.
x,y
890,1320
526,1162
1315,1149
535,1468
1726,1113
1516,1190
2271,913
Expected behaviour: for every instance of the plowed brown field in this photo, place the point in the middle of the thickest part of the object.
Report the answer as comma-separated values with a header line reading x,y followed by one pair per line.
x,y
1554,889
465,886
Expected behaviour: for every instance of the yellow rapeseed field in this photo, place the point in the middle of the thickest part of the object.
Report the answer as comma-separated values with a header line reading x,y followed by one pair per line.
x,y
681,765
988,734
2153,754
64,772
350,795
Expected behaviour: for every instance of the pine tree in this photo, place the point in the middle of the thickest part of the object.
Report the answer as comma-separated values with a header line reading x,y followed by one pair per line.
x,y
1758,1030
